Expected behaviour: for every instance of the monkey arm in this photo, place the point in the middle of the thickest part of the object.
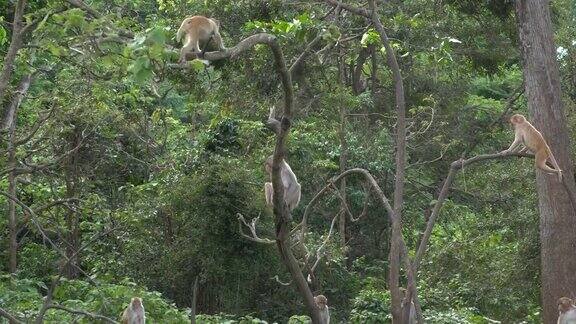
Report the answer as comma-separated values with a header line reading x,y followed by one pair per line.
x,y
517,141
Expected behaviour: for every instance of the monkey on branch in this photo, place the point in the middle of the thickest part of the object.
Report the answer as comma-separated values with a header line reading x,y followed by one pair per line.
x,y
198,31
527,135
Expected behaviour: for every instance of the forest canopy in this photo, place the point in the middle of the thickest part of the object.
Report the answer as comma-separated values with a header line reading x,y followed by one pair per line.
x,y
354,150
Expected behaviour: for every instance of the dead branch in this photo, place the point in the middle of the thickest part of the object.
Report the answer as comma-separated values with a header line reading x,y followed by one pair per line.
x,y
16,101
252,226
320,251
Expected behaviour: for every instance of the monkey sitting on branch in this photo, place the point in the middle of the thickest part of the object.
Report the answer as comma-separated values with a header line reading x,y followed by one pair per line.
x,y
532,139
198,31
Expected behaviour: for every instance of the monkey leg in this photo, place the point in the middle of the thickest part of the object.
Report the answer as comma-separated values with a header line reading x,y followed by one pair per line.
x,y
268,193
540,161
218,40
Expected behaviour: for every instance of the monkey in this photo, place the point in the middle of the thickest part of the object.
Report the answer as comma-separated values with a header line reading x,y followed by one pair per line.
x,y
412,313
532,139
566,311
134,313
291,185
198,31
322,304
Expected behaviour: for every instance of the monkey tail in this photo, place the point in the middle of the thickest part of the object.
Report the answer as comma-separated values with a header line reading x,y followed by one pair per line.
x,y
555,164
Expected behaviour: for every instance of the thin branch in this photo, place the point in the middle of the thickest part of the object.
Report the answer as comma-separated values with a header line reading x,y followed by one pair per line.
x,y
352,9
305,53
281,212
252,226
55,203
322,247
454,168
83,313
45,237
9,317
36,127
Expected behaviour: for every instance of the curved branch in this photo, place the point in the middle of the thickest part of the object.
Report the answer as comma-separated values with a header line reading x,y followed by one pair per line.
x,y
454,168
83,313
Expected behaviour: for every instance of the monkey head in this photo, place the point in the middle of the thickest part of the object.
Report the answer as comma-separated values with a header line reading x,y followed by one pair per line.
x,y
321,301
517,119
136,302
564,304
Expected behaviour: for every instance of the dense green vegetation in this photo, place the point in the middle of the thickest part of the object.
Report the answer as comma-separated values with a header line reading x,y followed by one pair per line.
x,y
142,165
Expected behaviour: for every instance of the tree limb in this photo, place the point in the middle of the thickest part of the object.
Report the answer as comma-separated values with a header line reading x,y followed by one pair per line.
x,y
252,226
83,313
454,168
15,45
9,317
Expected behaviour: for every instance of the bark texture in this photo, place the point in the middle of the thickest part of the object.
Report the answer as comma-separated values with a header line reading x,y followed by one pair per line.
x,y
557,215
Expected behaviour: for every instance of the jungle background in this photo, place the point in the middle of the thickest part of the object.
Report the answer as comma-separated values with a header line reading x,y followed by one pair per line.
x,y
136,167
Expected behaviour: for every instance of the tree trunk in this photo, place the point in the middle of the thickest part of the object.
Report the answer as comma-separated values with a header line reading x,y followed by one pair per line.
x,y
343,149
194,302
15,44
357,86
557,215
72,221
12,163
12,221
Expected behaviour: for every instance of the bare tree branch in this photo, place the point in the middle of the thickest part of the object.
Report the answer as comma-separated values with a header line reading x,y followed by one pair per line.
x,y
320,251
83,313
16,101
252,226
454,168
9,317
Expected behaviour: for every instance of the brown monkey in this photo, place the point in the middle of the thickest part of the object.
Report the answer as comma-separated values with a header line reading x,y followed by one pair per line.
x,y
322,304
134,313
198,31
532,139
566,311
291,185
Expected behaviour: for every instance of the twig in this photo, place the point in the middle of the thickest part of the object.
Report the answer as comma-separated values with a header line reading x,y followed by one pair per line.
x,y
252,226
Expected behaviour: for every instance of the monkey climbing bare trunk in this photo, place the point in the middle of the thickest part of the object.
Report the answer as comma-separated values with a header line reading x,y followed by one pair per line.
x,y
281,128
557,215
